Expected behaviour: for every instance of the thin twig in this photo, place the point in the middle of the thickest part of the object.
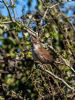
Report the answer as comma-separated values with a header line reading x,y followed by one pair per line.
x,y
2,60
6,22
2,71
26,28
8,10
12,2
47,11
44,16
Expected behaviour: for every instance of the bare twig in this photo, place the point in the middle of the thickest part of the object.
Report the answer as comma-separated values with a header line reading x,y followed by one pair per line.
x,y
12,3
47,11
44,16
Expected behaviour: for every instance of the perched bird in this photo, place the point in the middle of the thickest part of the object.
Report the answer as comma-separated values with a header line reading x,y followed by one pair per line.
x,y
39,52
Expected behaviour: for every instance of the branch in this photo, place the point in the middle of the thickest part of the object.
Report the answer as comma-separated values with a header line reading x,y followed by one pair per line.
x,y
26,28
47,11
8,10
4,60
67,18
56,77
4,72
67,63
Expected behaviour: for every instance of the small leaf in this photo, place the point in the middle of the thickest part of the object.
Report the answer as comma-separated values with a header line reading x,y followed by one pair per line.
x,y
1,98
9,79
1,31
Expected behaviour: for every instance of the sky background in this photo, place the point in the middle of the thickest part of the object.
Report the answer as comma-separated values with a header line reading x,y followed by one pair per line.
x,y
18,8
68,7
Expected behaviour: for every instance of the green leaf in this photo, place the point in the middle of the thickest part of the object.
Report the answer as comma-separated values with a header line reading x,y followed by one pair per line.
x,y
2,98
9,79
1,31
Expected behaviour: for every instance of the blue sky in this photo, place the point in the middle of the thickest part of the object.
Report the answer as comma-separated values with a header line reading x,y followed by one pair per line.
x,y
68,8
18,9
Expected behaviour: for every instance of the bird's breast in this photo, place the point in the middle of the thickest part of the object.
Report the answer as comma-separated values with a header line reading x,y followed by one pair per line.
x,y
36,47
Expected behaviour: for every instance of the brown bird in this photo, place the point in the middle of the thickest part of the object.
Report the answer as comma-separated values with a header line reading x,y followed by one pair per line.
x,y
40,53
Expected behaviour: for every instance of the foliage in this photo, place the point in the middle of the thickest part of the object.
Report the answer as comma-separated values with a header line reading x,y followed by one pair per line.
x,y
20,76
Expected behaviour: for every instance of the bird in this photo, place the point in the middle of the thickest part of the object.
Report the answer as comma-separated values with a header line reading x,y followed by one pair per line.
x,y
39,52
42,55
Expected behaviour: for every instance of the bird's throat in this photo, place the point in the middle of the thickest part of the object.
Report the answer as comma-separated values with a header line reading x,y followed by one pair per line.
x,y
36,46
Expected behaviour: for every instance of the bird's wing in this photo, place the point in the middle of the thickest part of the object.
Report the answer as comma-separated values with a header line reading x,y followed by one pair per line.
x,y
44,55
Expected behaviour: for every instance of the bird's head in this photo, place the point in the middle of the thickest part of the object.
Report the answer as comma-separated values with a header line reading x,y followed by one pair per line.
x,y
35,40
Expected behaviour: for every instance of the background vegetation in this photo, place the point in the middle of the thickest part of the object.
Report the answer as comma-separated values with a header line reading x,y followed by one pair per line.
x,y
20,77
